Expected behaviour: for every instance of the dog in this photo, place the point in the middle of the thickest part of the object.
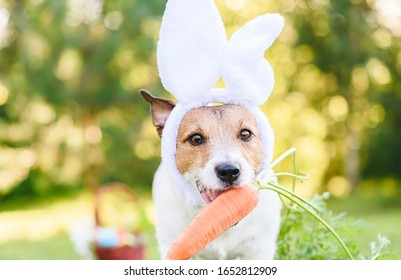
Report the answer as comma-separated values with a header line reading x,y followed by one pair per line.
x,y
218,147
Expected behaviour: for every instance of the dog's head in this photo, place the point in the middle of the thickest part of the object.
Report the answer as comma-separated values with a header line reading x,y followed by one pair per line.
x,y
218,147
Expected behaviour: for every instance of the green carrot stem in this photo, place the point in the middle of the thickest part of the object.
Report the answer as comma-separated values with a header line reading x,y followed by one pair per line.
x,y
273,187
276,161
294,170
294,176
294,195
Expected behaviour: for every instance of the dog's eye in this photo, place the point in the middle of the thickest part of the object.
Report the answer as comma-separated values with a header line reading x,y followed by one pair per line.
x,y
245,135
196,139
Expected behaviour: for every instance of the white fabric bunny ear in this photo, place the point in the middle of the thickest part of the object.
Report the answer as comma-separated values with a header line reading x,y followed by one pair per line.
x,y
247,74
193,52
191,46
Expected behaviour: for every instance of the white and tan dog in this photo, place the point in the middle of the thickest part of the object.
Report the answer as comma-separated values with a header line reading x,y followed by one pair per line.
x,y
218,147
207,149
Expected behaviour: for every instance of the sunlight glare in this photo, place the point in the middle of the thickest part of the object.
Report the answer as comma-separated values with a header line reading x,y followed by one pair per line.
x,y
235,5
93,134
339,186
4,93
338,108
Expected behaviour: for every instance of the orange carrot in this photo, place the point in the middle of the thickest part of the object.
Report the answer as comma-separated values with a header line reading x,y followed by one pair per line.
x,y
224,212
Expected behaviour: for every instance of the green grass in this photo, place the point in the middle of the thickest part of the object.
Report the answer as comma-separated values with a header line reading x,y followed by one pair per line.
x,y
39,229
57,247
378,215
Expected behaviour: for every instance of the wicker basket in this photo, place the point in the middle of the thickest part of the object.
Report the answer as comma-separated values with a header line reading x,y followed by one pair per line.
x,y
134,252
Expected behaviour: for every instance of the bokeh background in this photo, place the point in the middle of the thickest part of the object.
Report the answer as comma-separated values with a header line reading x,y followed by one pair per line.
x,y
71,117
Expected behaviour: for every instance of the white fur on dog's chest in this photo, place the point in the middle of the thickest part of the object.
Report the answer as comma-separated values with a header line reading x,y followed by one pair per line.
x,y
252,238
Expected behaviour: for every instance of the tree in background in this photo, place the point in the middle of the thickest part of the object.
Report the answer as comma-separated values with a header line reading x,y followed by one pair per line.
x,y
71,115
351,61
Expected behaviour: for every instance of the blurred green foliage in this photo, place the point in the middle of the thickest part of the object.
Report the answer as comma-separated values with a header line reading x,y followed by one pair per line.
x,y
301,237
71,116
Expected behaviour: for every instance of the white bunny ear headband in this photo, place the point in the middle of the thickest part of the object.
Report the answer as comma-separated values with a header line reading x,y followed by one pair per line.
x,y
193,52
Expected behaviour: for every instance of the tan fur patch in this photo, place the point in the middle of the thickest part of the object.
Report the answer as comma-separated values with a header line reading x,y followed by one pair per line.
x,y
220,126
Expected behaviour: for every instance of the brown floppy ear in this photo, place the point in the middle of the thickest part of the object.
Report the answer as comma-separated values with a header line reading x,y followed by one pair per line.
x,y
160,109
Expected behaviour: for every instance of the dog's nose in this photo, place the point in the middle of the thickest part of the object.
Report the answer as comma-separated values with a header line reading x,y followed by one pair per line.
x,y
228,173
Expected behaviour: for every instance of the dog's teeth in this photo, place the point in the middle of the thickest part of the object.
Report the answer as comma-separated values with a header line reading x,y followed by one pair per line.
x,y
209,192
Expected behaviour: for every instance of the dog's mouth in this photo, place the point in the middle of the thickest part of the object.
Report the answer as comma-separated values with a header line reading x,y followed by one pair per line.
x,y
210,195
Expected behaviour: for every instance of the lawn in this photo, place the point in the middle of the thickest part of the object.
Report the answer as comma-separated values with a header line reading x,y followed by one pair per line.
x,y
380,217
41,230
